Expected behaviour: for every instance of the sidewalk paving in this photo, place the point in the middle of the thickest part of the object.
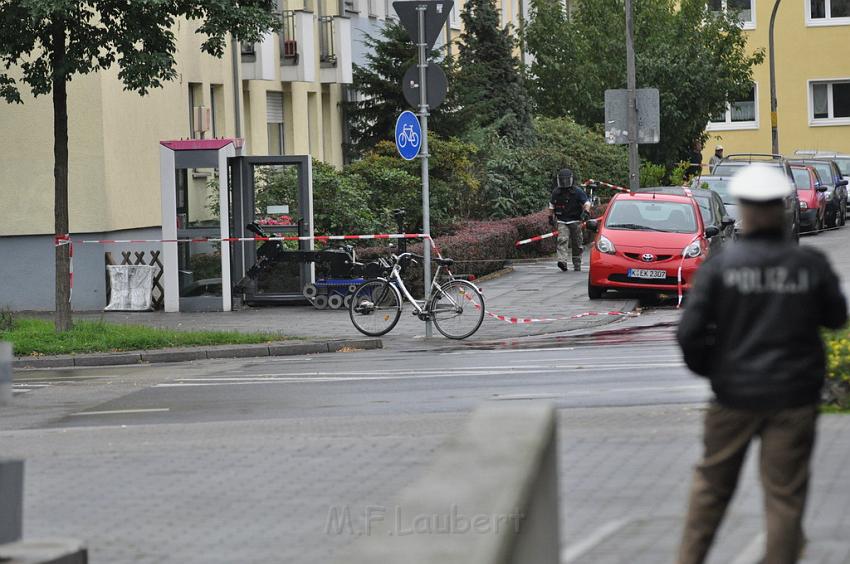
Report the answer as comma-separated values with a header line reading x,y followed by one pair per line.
x,y
261,491
532,290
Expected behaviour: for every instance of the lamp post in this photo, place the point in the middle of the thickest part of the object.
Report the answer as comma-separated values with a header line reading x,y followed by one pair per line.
x,y
774,126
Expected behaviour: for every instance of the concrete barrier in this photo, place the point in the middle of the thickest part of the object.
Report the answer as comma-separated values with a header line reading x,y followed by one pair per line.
x,y
5,373
490,497
11,499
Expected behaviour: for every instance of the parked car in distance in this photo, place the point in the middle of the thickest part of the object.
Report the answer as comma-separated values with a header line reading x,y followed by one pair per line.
x,y
711,209
730,165
842,160
836,193
644,238
812,195
720,185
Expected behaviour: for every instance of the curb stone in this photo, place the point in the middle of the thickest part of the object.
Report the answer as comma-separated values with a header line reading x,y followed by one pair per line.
x,y
196,353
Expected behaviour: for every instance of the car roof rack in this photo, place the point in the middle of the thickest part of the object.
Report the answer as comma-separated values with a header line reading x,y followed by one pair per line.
x,y
815,153
751,157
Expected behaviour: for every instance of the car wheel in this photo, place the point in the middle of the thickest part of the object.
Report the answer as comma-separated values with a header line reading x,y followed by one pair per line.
x,y
594,292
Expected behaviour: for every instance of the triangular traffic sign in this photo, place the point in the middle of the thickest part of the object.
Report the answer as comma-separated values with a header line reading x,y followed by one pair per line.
x,y
436,14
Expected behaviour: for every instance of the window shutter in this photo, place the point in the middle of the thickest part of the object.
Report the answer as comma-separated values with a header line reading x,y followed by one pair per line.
x,y
274,107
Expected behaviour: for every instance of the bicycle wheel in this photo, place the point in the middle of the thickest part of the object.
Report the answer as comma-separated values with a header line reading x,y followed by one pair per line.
x,y
375,308
457,309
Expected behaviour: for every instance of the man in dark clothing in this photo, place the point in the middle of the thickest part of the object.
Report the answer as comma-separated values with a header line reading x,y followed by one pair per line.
x,y
569,206
752,327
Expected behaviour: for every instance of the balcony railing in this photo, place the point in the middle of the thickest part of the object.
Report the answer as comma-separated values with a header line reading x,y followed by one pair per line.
x,y
327,51
288,43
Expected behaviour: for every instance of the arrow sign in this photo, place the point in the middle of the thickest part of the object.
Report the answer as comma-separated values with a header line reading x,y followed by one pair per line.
x,y
436,85
436,14
408,135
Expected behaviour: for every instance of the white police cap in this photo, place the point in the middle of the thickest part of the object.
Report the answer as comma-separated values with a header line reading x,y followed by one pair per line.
x,y
760,183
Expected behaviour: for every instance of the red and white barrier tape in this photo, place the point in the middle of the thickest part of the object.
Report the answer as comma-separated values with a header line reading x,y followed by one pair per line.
x,y
241,239
536,238
590,181
527,320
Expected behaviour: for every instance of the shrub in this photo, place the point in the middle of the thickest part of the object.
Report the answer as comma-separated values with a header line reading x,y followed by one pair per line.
x,y
518,180
837,388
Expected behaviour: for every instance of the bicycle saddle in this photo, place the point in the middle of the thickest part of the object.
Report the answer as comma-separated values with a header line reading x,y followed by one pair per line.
x,y
444,261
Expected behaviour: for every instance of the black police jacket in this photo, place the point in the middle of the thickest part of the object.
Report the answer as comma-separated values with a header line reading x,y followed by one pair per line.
x,y
753,318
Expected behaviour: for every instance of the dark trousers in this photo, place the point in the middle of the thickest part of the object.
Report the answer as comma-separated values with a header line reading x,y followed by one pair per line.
x,y
787,439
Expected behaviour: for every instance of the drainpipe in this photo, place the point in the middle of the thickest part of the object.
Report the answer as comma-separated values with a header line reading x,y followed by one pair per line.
x,y
774,125
235,60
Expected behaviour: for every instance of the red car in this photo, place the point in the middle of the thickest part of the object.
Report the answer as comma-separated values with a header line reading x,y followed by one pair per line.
x,y
642,240
812,197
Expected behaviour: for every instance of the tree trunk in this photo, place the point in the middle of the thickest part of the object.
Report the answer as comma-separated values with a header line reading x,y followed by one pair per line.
x,y
60,175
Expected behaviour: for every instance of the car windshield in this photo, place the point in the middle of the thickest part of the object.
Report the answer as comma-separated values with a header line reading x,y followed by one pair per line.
x,y
719,185
705,210
844,164
652,215
801,178
824,171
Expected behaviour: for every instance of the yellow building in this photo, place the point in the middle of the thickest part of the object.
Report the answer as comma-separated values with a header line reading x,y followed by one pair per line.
x,y
286,100
812,80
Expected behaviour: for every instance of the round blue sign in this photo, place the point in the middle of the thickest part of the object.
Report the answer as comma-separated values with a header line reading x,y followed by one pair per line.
x,y
408,135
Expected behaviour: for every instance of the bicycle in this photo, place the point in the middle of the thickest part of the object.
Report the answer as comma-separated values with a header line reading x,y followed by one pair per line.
x,y
456,307
406,136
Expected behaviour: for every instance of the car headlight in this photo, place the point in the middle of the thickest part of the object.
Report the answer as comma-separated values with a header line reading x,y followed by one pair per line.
x,y
693,250
829,196
737,225
804,206
604,245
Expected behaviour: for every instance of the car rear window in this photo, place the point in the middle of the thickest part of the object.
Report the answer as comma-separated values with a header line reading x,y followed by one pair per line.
x,y
651,215
726,169
801,178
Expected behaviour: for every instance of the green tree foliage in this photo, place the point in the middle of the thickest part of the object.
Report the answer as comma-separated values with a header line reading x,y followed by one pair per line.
x,y
48,42
696,58
380,99
489,83
518,180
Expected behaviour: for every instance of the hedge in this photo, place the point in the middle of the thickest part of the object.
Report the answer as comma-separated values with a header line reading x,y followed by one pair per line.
x,y
480,247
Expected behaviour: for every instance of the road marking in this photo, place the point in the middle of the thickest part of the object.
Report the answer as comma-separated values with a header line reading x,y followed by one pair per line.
x,y
511,397
752,552
122,411
596,537
321,378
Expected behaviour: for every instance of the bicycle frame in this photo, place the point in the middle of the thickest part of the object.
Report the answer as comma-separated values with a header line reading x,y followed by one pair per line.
x,y
395,277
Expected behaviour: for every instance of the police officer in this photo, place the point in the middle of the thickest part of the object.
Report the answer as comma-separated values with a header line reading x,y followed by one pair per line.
x,y
569,206
752,328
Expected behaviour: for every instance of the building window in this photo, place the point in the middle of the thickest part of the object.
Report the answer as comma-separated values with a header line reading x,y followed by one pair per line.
x,y
454,16
740,114
828,12
829,102
746,10
274,122
196,100
217,109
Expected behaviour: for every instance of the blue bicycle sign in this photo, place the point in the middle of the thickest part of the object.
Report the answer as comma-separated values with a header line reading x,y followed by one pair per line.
x,y
408,135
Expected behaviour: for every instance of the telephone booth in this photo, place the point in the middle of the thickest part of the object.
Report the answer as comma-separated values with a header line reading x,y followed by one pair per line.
x,y
276,193
195,205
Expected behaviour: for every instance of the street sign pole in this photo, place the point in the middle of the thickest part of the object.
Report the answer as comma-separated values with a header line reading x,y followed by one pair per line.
x,y
632,121
423,119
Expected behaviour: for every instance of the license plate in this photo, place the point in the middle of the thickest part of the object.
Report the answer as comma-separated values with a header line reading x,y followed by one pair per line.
x,y
650,274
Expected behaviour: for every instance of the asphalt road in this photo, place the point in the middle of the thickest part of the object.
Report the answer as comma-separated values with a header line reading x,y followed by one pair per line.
x,y
239,460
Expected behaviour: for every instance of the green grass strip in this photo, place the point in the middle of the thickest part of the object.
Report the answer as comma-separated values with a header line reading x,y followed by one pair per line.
x,y
38,337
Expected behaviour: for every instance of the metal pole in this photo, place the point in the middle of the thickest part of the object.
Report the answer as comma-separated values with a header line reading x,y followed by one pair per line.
x,y
423,120
235,60
632,121
774,125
